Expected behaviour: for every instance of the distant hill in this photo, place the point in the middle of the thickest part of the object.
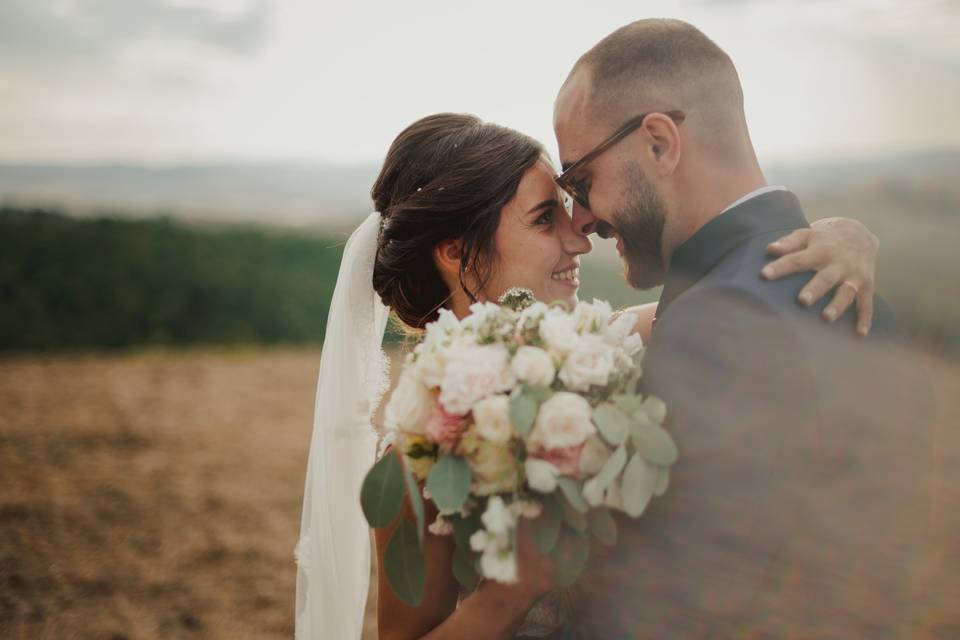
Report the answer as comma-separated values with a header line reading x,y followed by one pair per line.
x,y
330,196
334,197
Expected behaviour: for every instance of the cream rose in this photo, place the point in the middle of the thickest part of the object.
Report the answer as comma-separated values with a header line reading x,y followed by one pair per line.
x,y
563,421
472,373
590,364
541,475
492,417
533,365
559,332
410,405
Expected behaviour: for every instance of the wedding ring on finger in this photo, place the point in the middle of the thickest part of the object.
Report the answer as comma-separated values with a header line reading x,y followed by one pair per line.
x,y
856,289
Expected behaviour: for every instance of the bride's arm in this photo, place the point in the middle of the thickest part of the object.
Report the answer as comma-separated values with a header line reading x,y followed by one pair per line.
x,y
840,250
492,611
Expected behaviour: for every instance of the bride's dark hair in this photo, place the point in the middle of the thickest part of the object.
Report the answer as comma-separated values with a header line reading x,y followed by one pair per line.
x,y
446,176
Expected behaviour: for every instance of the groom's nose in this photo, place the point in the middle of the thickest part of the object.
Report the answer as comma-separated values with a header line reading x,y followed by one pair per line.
x,y
584,222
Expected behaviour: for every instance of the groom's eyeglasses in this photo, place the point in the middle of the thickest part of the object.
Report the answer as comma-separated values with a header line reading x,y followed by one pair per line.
x,y
579,189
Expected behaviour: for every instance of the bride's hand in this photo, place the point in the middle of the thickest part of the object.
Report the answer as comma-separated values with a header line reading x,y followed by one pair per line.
x,y
843,252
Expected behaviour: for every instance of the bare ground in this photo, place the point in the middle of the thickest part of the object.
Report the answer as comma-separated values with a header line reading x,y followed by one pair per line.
x,y
158,495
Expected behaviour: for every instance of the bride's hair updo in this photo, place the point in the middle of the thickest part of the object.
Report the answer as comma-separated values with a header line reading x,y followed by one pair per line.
x,y
446,176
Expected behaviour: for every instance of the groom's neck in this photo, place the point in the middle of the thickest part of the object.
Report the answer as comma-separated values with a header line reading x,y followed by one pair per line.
x,y
702,193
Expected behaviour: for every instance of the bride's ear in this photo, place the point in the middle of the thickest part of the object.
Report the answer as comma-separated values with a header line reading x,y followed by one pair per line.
x,y
447,255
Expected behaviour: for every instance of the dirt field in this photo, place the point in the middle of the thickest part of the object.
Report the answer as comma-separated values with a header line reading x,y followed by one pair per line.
x,y
158,495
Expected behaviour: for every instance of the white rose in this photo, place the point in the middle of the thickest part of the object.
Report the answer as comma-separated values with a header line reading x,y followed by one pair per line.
x,y
541,475
563,421
492,417
441,330
472,373
620,327
533,365
558,331
590,364
410,405
483,317
594,455
533,313
592,317
430,365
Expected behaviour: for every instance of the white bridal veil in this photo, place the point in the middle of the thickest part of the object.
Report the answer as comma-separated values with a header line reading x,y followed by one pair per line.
x,y
333,554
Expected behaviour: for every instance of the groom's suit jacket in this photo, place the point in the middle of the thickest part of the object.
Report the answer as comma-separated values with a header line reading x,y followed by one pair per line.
x,y
800,505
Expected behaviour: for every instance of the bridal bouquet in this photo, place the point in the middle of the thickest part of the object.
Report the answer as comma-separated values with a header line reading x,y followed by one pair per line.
x,y
520,410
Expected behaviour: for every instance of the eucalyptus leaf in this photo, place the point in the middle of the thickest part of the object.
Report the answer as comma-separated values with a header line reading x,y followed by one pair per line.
x,y
465,568
663,481
571,491
569,557
652,441
629,403
612,423
449,482
655,408
573,518
611,468
545,528
404,564
381,495
525,402
639,479
602,525
416,501
464,527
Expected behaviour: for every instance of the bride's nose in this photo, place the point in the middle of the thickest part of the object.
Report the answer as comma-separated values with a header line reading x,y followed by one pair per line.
x,y
574,242
584,222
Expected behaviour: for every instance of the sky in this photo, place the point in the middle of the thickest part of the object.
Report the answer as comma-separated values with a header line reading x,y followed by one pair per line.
x,y
160,82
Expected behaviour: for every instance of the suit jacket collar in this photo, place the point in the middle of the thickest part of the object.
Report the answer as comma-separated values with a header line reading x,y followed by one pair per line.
x,y
695,258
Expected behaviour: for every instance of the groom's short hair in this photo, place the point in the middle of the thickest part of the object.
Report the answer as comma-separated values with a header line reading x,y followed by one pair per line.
x,y
662,64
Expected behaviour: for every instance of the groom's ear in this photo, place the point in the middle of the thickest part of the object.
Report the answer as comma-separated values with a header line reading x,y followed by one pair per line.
x,y
448,254
662,139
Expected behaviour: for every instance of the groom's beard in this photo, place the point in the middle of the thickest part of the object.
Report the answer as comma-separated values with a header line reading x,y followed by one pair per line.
x,y
639,222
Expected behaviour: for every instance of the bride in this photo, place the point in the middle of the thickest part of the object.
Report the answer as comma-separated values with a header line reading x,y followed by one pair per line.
x,y
466,209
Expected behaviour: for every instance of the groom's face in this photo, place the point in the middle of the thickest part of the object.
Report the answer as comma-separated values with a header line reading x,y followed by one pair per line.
x,y
638,221
624,203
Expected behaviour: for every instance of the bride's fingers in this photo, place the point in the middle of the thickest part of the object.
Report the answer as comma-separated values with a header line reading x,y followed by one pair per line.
x,y
793,241
818,287
842,299
864,310
806,260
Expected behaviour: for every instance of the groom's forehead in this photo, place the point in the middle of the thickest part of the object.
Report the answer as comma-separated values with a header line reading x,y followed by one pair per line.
x,y
571,121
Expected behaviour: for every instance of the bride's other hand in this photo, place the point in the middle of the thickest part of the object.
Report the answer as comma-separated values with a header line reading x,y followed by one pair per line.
x,y
843,252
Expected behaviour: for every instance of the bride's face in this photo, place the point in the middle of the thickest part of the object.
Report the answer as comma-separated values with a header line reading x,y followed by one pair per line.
x,y
536,244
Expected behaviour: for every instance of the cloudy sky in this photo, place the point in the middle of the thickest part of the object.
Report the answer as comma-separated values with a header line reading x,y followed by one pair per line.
x,y
176,81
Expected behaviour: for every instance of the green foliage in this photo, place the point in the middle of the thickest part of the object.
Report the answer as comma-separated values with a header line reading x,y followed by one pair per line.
x,y
381,495
416,501
525,402
80,284
449,482
404,564
546,527
569,556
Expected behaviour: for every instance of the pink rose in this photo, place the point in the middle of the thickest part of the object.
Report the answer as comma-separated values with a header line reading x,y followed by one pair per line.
x,y
565,459
445,429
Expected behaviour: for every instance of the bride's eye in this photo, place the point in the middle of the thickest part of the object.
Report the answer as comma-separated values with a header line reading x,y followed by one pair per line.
x,y
545,218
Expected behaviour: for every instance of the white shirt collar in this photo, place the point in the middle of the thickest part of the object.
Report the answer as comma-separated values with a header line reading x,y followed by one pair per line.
x,y
754,194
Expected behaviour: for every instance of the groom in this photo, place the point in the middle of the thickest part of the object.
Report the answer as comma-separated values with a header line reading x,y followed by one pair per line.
x,y
799,505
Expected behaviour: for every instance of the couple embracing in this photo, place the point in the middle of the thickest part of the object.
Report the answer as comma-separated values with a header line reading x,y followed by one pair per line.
x,y
797,506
